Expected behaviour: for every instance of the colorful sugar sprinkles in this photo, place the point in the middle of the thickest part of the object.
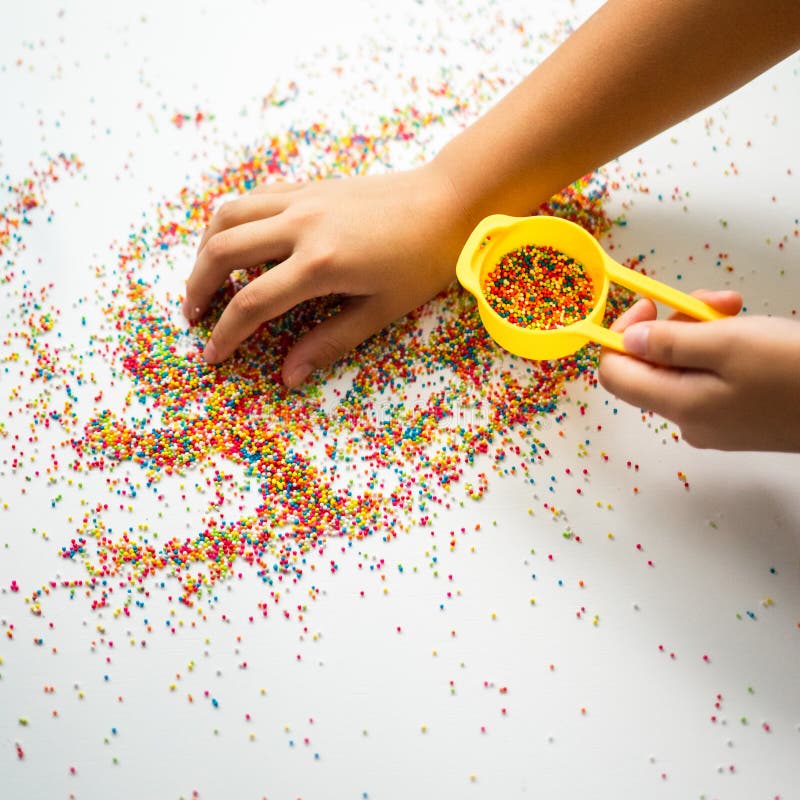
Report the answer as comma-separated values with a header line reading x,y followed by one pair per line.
x,y
537,286
191,551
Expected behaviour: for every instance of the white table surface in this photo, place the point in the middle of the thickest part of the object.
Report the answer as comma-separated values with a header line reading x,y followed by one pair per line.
x,y
394,714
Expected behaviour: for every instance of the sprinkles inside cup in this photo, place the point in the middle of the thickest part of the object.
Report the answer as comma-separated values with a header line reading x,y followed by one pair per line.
x,y
539,287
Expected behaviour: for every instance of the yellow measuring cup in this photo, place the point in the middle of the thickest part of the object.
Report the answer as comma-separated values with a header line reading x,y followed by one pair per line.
x,y
500,234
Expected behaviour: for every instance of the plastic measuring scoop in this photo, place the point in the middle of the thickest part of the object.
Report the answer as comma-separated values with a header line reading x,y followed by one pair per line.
x,y
499,234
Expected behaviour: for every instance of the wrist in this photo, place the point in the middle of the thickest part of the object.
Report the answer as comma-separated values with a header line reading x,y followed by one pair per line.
x,y
456,214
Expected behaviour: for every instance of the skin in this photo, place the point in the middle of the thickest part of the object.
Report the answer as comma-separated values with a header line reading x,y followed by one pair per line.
x,y
389,243
348,237
731,385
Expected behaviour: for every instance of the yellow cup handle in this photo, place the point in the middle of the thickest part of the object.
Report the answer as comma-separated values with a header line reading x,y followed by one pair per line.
x,y
655,290
597,333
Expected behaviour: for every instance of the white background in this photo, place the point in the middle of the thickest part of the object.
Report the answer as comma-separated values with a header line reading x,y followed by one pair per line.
x,y
395,715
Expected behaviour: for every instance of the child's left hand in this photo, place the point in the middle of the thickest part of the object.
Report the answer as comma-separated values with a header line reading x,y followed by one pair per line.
x,y
386,242
731,384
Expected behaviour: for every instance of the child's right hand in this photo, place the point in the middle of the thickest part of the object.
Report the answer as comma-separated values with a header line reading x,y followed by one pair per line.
x,y
389,242
731,384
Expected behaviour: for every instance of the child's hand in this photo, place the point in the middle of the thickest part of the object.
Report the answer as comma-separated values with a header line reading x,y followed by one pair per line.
x,y
390,242
732,384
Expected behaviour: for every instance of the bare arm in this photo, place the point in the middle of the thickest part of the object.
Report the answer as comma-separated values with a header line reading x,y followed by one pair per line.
x,y
390,242
630,71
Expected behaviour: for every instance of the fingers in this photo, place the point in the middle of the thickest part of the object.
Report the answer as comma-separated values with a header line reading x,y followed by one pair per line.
x,y
249,208
673,343
675,373
264,298
726,301
334,337
676,344
236,248
672,393
641,311
278,187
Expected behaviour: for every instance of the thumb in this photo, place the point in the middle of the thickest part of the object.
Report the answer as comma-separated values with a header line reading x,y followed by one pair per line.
x,y
333,338
695,345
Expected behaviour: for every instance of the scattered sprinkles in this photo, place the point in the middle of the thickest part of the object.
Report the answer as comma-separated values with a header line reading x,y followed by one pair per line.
x,y
412,458
275,487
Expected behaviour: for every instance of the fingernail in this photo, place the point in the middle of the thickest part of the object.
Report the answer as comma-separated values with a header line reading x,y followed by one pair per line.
x,y
190,312
210,354
298,375
635,339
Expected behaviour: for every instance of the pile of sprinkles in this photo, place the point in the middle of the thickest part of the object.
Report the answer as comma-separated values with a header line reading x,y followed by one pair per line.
x,y
537,286
423,411
169,480
412,458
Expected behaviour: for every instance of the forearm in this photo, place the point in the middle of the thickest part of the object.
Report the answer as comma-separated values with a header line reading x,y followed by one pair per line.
x,y
632,70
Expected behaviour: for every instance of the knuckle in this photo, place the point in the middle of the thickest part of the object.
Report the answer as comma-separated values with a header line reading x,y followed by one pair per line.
x,y
329,349
668,408
691,415
607,375
317,264
246,302
663,345
226,214
319,259
217,246
604,375
303,214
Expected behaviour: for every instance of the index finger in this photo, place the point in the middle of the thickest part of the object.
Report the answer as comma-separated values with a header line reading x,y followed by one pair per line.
x,y
248,208
665,391
263,299
246,245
